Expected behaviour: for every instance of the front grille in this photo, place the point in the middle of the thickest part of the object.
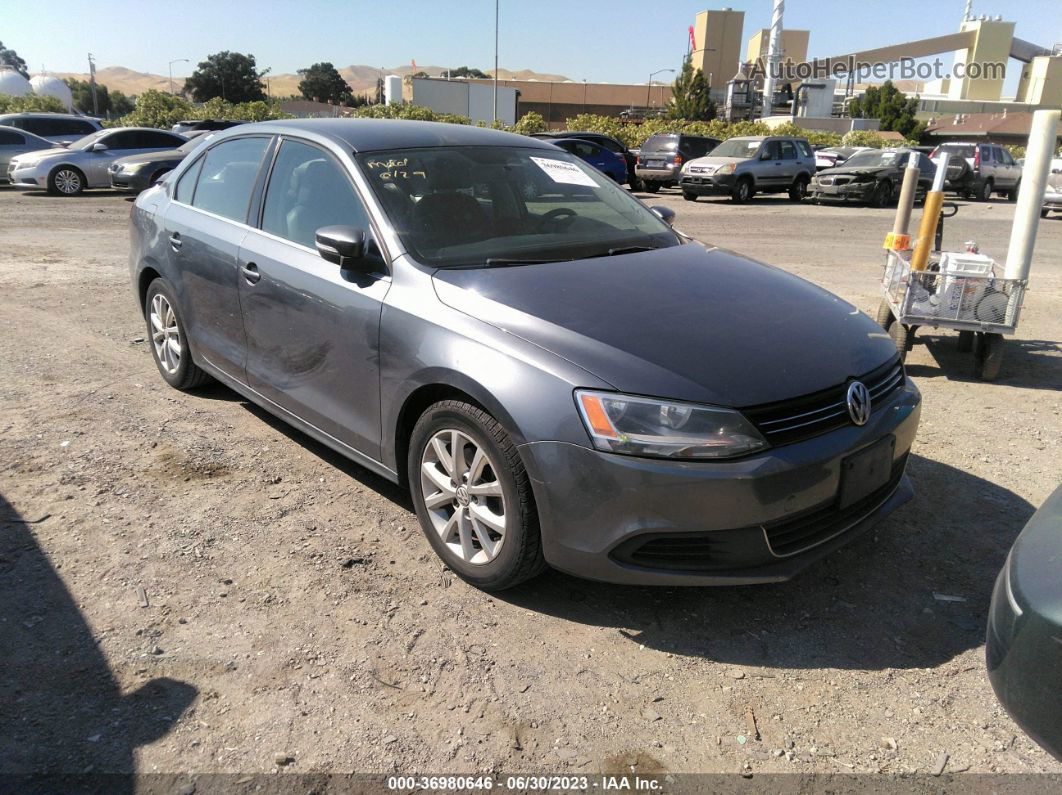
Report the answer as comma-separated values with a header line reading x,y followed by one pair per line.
x,y
801,418
797,534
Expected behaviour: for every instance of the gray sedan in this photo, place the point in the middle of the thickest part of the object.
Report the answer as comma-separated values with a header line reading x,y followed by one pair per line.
x,y
84,163
558,376
18,142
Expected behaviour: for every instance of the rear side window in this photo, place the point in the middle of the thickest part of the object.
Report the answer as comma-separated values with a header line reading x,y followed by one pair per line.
x,y
11,138
186,185
307,190
72,127
787,150
609,144
698,147
227,177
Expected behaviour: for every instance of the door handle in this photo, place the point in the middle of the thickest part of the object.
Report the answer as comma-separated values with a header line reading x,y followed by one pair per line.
x,y
250,273
175,241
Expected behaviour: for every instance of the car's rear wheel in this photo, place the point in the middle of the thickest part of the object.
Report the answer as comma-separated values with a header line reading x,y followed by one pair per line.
x,y
984,193
169,342
473,496
742,191
690,197
650,187
799,189
66,181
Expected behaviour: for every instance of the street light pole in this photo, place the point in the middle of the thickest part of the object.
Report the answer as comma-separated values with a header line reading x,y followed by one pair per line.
x,y
649,87
175,60
495,60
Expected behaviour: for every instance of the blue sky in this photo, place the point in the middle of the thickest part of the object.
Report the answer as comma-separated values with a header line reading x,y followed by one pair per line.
x,y
618,41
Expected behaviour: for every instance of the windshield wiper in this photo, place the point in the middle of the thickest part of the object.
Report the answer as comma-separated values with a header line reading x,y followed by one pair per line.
x,y
501,262
622,250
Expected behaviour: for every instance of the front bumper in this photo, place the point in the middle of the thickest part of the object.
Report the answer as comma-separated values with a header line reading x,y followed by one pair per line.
x,y
130,181
597,510
707,185
1053,201
851,191
25,177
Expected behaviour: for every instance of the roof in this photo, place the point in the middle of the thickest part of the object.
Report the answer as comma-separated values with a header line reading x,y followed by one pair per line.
x,y
889,135
368,135
983,125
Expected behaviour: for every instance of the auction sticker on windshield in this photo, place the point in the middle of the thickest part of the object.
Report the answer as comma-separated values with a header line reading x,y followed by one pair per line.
x,y
568,173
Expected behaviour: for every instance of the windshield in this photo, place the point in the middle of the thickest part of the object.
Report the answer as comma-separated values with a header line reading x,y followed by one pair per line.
x,y
737,147
876,159
87,141
491,205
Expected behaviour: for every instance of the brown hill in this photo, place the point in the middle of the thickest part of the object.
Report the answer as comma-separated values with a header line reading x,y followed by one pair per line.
x,y
361,78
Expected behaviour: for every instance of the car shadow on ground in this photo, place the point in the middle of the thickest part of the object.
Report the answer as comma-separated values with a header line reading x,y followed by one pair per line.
x,y
62,711
869,605
1029,364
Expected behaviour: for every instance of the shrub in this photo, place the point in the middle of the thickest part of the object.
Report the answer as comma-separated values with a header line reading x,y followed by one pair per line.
x,y
31,103
159,109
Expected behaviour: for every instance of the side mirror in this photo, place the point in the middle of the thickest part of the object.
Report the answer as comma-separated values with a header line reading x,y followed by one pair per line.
x,y
98,147
343,245
666,214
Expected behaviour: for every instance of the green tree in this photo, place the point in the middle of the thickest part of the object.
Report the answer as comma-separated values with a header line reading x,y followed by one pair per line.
x,y
31,103
465,71
120,103
81,90
322,82
10,58
895,110
689,95
530,123
232,76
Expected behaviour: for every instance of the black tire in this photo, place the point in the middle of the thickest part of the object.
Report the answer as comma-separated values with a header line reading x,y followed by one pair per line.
x,y
1044,212
520,557
186,375
742,191
882,195
984,192
1012,194
798,191
635,184
966,341
989,356
884,317
690,197
901,338
66,181
649,186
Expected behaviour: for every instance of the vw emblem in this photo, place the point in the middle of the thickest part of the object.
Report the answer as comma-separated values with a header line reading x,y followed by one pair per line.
x,y
858,400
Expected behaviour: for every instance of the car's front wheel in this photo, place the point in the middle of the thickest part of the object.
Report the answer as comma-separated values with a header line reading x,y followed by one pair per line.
x,y
473,496
169,342
66,181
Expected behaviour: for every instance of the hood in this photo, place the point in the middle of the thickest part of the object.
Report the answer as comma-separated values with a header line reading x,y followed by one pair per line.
x,y
150,157
686,322
841,169
715,161
36,156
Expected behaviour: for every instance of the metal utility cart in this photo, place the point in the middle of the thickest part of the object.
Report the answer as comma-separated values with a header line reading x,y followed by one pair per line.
x,y
964,292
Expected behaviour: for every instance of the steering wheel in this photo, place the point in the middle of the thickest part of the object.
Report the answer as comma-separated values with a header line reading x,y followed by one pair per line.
x,y
559,218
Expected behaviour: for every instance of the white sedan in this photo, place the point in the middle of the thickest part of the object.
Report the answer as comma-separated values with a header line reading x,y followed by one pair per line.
x,y
84,163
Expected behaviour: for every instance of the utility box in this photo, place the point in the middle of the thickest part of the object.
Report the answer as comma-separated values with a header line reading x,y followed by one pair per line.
x,y
393,89
465,98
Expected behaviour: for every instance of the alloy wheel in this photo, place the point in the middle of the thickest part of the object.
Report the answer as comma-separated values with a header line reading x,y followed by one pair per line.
x,y
67,181
165,334
463,496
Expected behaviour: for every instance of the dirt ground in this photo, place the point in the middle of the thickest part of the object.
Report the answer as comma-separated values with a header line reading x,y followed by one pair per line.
x,y
187,585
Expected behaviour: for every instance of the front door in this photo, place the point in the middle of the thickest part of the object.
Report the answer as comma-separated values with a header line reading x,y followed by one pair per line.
x,y
313,329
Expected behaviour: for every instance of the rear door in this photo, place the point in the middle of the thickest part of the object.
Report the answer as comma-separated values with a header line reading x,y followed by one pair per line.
x,y
313,329
205,224
789,162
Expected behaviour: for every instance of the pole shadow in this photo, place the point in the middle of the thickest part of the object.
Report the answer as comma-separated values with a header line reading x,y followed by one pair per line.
x,y
65,724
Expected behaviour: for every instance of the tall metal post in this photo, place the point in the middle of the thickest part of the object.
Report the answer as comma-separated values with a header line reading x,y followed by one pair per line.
x,y
495,60
774,56
92,85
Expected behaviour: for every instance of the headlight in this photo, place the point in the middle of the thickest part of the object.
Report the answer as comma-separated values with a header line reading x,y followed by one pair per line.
x,y
864,178
664,428
725,169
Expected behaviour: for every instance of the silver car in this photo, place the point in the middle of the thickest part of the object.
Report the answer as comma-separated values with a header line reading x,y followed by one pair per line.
x,y
18,142
556,374
742,167
85,162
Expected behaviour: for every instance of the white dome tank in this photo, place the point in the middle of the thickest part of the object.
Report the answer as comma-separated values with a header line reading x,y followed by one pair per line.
x,y
48,86
11,82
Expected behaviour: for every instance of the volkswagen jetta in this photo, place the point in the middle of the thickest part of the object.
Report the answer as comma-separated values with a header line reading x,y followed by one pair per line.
x,y
558,376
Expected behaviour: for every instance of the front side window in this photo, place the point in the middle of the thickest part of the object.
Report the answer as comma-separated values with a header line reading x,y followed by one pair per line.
x,y
186,184
128,139
308,190
474,206
227,177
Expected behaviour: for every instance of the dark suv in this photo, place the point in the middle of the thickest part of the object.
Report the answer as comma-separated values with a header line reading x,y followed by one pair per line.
x,y
977,170
661,157
602,140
